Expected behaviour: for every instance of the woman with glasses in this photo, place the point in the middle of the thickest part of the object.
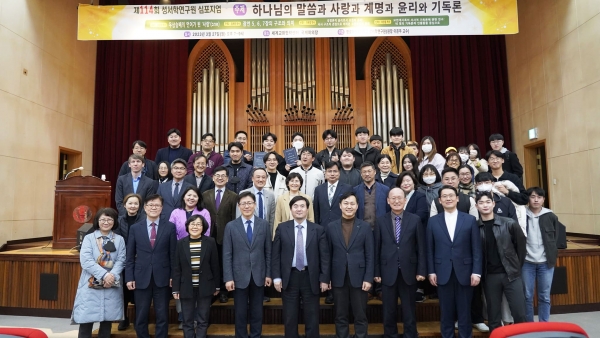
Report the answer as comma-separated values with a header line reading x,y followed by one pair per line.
x,y
294,182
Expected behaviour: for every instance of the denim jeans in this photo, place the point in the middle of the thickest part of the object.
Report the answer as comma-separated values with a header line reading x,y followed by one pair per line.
x,y
543,275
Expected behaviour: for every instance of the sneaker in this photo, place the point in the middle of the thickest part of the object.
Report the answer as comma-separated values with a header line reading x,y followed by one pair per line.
x,y
481,327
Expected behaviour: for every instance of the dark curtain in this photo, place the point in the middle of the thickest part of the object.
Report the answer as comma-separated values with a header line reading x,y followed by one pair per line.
x,y
141,92
460,89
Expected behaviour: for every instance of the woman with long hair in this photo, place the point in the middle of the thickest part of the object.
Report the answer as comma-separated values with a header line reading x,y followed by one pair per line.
x,y
164,172
429,155
430,183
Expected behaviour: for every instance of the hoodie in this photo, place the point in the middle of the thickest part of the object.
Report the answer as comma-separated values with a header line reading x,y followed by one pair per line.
x,y
536,243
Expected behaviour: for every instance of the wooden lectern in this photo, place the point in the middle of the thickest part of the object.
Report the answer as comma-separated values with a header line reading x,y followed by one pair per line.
x,y
76,201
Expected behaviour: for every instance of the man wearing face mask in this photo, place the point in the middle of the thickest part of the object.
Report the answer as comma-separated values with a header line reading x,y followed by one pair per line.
x,y
503,206
298,144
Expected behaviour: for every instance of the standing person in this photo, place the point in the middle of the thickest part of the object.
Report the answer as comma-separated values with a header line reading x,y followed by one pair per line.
x,y
175,150
397,149
453,262
376,142
199,178
196,276
371,195
300,261
430,155
150,168
476,161
150,253
171,191
312,175
330,153
400,262
108,248
465,204
191,204
351,248
453,160
484,182
349,174
275,179
511,162
265,200
239,172
241,137
326,203
430,182
542,229
213,159
503,256
384,172
269,140
414,146
496,163
221,204
164,172
363,151
247,265
134,183
409,163
294,184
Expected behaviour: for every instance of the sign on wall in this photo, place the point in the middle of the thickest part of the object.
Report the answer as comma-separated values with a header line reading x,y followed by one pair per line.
x,y
239,20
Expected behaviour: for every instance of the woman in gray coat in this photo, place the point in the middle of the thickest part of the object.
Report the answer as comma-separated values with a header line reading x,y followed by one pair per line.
x,y
99,296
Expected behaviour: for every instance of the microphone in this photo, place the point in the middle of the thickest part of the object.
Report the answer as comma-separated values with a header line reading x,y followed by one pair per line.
x,y
72,171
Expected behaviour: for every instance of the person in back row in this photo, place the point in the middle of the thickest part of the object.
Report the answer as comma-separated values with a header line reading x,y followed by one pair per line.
x,y
511,162
330,153
213,159
134,183
175,150
312,176
150,168
508,184
348,173
430,155
363,151
397,149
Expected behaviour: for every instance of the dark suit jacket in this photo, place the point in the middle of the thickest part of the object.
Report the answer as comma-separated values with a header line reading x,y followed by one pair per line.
x,y
389,182
163,154
150,168
512,165
209,268
324,213
146,187
317,253
381,205
171,202
242,259
206,183
410,254
359,256
143,261
463,254
224,215
418,205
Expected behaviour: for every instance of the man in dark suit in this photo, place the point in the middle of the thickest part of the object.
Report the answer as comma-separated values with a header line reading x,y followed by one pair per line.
x,y
175,150
150,168
400,261
171,191
247,265
371,195
150,253
352,266
453,262
198,178
221,204
134,183
300,259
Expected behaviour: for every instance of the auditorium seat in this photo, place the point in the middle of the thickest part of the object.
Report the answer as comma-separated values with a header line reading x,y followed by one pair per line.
x,y
539,330
11,332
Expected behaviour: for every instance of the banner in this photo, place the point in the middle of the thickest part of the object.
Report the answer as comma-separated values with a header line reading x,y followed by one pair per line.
x,y
243,20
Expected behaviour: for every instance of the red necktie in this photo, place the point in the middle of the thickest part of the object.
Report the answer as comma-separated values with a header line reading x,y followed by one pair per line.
x,y
152,234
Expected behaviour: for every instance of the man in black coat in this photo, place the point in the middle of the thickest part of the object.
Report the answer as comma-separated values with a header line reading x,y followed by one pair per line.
x,y
300,260
511,161
175,150
150,168
400,261
363,151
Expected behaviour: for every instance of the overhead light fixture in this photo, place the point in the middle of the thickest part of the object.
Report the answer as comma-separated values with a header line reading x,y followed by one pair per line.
x,y
164,2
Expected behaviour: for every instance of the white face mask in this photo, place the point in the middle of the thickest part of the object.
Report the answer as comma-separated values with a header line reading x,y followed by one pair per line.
x,y
464,157
429,179
485,187
426,148
298,145
473,153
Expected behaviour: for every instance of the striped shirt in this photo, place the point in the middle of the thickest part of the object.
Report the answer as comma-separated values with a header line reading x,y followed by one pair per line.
x,y
195,248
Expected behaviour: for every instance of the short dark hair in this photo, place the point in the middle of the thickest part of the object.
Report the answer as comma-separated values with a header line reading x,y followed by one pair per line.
x,y
136,157
465,166
258,169
449,170
446,187
347,194
537,190
347,150
297,134
235,144
409,174
396,131
154,197
361,130
266,136
110,212
199,155
240,132
220,168
438,178
269,153
173,130
329,132
481,194
376,138
496,153
382,156
245,194
180,161
140,143
332,164
200,205
308,149
484,177
299,198
367,164
204,136
496,137
292,176
193,218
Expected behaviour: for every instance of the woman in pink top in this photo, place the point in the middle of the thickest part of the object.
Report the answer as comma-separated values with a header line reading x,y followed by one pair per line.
x,y
192,205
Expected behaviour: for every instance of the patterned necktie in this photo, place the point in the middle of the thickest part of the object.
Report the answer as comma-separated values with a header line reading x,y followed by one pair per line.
x,y
218,200
176,190
398,228
299,248
152,234
331,193
249,231
261,213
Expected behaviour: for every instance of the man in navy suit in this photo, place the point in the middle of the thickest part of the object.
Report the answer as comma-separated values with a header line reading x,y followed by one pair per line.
x,y
372,195
148,271
175,150
171,190
247,265
326,204
198,177
454,262
352,267
400,261
134,183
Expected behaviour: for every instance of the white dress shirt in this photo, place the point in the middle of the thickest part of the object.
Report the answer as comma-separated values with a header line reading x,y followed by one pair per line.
x,y
451,218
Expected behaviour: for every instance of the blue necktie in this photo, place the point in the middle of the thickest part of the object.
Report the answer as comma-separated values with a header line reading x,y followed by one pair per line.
x,y
398,228
260,206
249,231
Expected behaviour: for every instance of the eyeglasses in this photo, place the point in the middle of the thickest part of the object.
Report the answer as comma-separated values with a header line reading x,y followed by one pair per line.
x,y
444,197
493,159
271,160
465,175
394,199
195,225
154,206
329,139
106,220
220,176
246,204
179,168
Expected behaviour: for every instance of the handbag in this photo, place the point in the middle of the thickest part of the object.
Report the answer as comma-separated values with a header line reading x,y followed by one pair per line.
x,y
104,260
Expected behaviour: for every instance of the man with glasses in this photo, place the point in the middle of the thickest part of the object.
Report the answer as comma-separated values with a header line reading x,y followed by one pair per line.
x,y
511,161
247,265
496,164
213,159
175,150
330,153
312,176
148,272
198,177
171,191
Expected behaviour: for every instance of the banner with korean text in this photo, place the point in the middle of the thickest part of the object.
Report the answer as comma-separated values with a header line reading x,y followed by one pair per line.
x,y
239,20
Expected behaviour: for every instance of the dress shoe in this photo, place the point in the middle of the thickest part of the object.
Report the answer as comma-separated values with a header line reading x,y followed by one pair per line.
x,y
419,297
266,299
329,299
124,324
223,298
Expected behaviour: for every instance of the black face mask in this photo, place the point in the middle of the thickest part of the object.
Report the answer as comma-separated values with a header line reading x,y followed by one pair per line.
x,y
110,246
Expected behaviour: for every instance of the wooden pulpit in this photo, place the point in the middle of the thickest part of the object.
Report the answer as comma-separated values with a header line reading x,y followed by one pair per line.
x,y
76,201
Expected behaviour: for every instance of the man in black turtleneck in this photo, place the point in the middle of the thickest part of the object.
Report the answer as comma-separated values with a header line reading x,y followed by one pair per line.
x,y
175,150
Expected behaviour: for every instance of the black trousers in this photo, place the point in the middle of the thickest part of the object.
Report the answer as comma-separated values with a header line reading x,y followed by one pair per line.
x,y
160,296
85,330
248,309
407,294
477,305
496,284
343,298
127,297
196,308
455,301
222,282
299,287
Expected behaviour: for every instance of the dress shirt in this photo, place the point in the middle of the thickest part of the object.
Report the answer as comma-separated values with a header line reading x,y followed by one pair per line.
x,y
401,215
451,218
222,192
198,180
251,219
173,186
149,226
255,192
304,232
136,182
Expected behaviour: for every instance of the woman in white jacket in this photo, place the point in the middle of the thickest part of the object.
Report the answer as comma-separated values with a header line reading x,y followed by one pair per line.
x,y
478,164
276,181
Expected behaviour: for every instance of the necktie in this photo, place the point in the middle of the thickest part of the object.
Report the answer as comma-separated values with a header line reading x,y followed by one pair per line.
x,y
331,193
249,231
218,200
152,234
299,248
260,206
176,190
398,228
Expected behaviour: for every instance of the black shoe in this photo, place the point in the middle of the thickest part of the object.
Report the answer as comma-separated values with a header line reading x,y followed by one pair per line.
x,y
433,296
223,298
419,298
329,299
266,299
124,324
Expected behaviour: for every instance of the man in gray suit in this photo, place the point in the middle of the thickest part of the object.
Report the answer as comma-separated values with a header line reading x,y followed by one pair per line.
x,y
247,265
265,200
171,191
134,182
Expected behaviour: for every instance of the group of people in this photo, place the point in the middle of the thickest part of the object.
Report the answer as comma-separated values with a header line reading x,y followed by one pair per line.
x,y
366,222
